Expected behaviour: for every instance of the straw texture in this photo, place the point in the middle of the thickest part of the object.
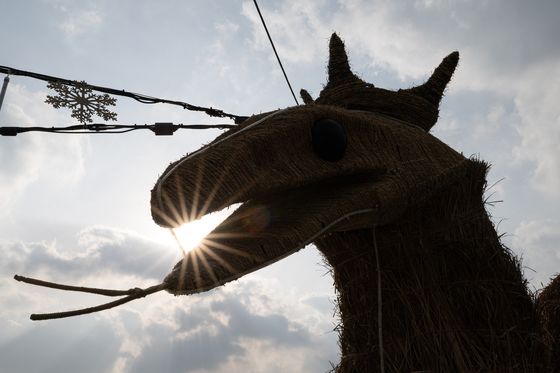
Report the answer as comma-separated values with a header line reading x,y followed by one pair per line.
x,y
454,299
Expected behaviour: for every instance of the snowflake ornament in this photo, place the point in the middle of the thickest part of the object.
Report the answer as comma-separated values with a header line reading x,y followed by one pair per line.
x,y
82,101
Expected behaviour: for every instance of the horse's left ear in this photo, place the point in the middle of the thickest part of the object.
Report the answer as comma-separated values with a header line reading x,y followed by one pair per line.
x,y
432,90
339,68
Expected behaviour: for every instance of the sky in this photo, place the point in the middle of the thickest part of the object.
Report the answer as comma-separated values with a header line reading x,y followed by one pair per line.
x,y
75,209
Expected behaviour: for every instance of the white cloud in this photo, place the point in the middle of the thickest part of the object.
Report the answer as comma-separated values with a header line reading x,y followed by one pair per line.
x,y
31,157
227,28
76,346
79,23
224,331
287,26
429,3
100,254
536,102
539,241
390,39
249,325
77,19
408,38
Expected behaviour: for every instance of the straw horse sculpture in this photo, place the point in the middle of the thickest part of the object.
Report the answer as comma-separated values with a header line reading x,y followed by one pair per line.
x,y
423,282
356,172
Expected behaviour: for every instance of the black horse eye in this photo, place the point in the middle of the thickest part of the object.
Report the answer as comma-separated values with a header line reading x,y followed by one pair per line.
x,y
329,139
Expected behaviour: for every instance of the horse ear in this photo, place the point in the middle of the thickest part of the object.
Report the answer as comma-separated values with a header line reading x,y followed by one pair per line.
x,y
432,90
306,97
339,69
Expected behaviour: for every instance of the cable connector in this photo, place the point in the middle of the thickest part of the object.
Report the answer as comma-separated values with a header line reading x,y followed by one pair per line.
x,y
164,129
8,131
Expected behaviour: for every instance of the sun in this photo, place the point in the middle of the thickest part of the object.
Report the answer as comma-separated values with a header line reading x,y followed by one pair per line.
x,y
190,235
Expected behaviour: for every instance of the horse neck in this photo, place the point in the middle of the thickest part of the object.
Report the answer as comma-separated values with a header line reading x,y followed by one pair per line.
x,y
453,297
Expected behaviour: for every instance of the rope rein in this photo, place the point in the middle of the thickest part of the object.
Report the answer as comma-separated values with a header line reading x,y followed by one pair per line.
x,y
131,294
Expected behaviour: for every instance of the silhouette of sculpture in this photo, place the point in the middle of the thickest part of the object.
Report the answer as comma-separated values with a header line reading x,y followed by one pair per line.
x,y
422,280
357,172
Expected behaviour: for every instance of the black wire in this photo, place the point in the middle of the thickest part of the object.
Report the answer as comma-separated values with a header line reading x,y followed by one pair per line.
x,y
276,53
136,96
160,129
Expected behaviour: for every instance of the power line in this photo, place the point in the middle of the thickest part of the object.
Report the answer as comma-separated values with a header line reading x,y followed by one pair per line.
x,y
159,129
276,53
145,99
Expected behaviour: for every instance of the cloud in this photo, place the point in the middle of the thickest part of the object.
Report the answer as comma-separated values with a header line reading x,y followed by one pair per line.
x,y
497,39
539,240
76,19
31,157
82,22
225,332
536,102
288,24
74,346
249,325
101,251
208,335
104,257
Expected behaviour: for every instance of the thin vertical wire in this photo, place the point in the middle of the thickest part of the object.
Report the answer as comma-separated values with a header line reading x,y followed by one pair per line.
x,y
276,53
178,241
379,305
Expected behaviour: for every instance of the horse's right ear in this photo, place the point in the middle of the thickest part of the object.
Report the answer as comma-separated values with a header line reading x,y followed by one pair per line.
x,y
432,90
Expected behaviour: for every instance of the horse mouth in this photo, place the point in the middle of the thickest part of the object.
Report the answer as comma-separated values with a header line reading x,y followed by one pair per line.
x,y
270,226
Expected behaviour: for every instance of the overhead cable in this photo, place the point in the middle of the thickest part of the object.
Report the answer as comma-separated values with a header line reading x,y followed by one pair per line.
x,y
145,99
276,53
159,129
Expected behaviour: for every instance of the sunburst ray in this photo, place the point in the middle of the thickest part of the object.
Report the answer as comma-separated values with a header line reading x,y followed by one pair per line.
x,y
208,250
